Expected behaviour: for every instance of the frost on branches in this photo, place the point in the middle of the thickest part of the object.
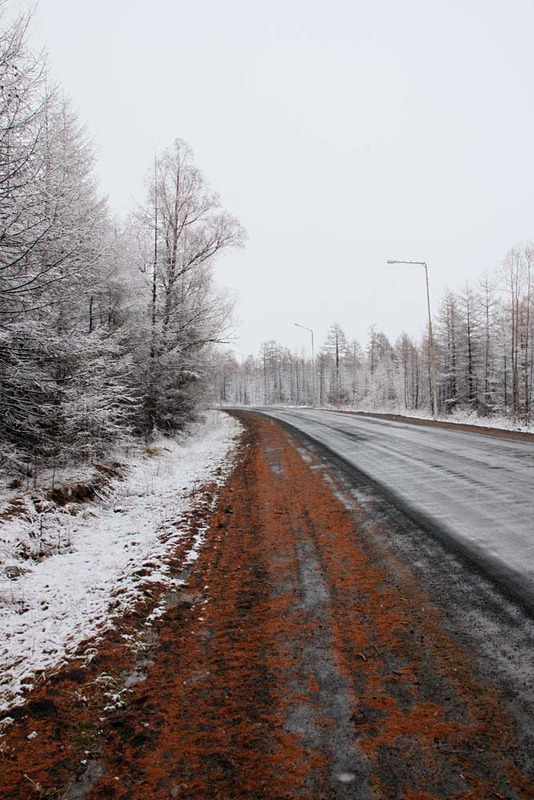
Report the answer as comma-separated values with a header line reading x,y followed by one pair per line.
x,y
104,325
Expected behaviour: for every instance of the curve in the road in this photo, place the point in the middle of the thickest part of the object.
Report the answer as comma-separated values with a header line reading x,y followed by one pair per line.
x,y
472,491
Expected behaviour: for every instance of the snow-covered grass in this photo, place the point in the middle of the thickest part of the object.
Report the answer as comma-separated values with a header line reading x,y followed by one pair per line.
x,y
459,416
65,571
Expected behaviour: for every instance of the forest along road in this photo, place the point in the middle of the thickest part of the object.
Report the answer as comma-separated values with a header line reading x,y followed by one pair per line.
x,y
321,647
474,491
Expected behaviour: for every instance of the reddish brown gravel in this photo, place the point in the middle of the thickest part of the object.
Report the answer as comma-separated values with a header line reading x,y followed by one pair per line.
x,y
301,660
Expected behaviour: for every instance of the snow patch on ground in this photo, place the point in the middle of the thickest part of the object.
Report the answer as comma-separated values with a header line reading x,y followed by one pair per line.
x,y
104,553
461,417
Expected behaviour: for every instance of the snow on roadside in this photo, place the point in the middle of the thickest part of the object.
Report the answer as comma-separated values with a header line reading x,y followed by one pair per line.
x,y
47,611
458,416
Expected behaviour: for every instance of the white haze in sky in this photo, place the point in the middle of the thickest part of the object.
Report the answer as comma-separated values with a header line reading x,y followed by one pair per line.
x,y
342,134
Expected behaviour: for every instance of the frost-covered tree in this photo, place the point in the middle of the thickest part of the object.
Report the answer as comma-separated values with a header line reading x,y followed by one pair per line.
x,y
518,276
408,392
23,222
336,350
354,364
490,346
58,394
460,350
186,229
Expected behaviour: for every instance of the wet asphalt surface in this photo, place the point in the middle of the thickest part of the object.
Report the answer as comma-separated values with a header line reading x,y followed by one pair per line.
x,y
473,491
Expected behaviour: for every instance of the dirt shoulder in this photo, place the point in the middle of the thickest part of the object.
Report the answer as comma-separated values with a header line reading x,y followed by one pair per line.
x,y
298,657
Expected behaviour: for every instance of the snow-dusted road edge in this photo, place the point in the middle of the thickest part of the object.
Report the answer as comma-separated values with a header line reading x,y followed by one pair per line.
x,y
46,612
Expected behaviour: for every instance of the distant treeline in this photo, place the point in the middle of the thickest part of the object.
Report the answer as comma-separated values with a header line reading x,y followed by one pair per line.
x,y
484,358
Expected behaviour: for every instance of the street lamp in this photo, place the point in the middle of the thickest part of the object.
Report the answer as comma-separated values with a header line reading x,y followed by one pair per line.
x,y
433,387
312,361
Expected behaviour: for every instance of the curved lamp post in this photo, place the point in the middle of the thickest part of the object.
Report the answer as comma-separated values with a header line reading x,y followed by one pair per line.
x,y
312,361
433,386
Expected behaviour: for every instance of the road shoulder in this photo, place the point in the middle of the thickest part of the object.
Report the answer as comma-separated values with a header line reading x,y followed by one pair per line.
x,y
297,657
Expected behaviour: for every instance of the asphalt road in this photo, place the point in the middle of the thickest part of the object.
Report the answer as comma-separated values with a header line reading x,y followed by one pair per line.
x,y
475,492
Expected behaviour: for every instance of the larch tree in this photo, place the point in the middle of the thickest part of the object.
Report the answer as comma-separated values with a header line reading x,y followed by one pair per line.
x,y
337,348
57,394
407,357
518,275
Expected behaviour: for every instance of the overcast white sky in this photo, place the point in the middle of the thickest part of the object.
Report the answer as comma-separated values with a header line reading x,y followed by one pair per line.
x,y
342,133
